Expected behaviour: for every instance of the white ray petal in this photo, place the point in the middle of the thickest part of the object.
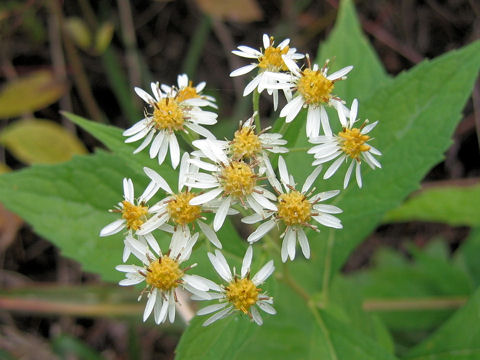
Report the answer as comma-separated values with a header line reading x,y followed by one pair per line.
x,y
247,261
221,213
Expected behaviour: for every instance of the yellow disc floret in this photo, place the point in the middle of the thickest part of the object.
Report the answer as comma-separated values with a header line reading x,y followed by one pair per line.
x,y
168,115
180,211
135,215
245,143
238,179
164,274
242,294
314,87
271,59
294,208
353,142
188,92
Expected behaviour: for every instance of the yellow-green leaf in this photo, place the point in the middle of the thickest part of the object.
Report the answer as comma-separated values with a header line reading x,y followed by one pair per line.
x,y
40,141
30,93
103,37
78,31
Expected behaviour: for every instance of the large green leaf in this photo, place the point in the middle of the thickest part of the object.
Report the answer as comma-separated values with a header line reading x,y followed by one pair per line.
x,y
457,339
454,205
67,204
407,107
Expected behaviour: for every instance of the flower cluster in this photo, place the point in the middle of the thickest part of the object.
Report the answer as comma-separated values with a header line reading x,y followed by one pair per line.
x,y
220,178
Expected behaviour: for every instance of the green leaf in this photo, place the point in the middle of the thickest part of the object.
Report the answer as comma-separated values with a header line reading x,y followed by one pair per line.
x,y
467,256
346,45
35,141
457,339
78,30
30,93
291,334
454,205
407,108
67,347
430,277
67,204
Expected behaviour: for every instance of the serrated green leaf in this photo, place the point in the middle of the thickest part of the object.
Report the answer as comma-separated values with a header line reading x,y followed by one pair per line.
x,y
30,93
405,107
68,204
457,339
453,205
38,141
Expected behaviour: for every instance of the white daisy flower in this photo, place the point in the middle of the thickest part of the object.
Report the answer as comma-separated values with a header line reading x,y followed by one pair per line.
x,y
163,275
230,180
272,67
313,91
176,207
134,214
350,143
185,90
296,209
247,144
170,115
241,293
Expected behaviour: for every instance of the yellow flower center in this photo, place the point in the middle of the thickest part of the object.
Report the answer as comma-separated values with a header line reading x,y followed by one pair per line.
x,y
246,143
272,59
135,215
294,208
181,211
188,92
164,274
242,294
168,115
353,142
314,87
238,179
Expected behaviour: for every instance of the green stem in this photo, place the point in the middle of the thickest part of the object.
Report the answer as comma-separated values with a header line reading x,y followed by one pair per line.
x,y
327,267
418,304
299,149
256,108
287,278
284,128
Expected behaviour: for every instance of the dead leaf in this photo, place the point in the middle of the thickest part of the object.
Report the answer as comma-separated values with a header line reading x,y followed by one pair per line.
x,y
30,93
34,141
232,10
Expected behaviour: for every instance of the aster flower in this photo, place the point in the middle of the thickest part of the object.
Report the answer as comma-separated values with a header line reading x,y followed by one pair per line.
x,y
185,90
249,145
350,143
134,214
232,181
271,65
241,293
170,115
313,91
176,207
163,275
296,209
